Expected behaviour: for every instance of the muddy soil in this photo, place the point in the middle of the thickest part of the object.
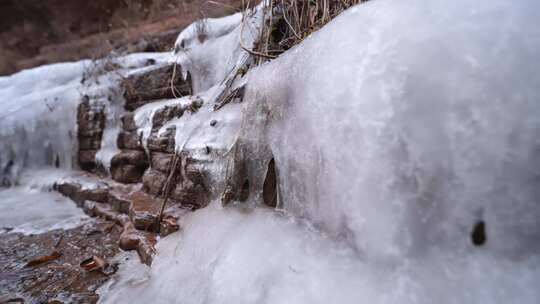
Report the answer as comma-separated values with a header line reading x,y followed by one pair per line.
x,y
45,268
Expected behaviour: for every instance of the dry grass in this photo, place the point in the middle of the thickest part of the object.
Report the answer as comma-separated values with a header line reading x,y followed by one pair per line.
x,y
292,21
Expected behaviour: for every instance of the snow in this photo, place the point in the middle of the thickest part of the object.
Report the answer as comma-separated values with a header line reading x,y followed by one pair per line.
x,y
395,129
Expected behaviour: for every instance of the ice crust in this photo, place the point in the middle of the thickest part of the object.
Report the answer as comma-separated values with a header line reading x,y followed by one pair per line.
x,y
395,129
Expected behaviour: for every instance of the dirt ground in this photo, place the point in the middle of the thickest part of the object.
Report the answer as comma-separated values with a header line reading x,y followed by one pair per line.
x,y
33,32
46,268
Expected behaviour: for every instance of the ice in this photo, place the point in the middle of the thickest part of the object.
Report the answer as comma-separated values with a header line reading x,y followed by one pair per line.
x,y
402,136
32,211
396,129
38,120
212,50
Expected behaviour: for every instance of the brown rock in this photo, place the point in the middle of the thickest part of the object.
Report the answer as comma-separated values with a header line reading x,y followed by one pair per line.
x,y
128,122
90,142
99,195
163,143
87,159
146,249
190,194
165,114
132,157
90,119
70,190
151,84
153,181
119,200
128,166
168,225
127,173
144,211
129,140
129,239
161,161
194,173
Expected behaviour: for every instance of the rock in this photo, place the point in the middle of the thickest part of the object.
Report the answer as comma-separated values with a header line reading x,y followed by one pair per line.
x,y
90,119
213,122
163,143
128,166
168,225
119,200
129,239
89,142
69,189
76,193
190,194
105,211
161,161
99,195
144,211
91,122
132,157
166,114
128,122
87,159
153,181
129,140
151,84
194,173
127,173
146,249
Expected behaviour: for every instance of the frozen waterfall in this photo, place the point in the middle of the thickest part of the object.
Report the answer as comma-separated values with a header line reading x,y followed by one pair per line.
x,y
406,137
